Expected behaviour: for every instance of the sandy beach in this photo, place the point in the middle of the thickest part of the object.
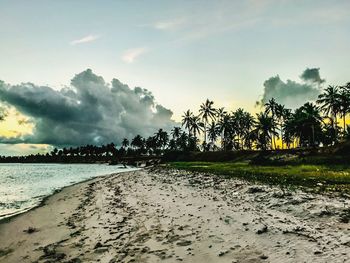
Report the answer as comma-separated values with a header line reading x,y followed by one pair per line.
x,y
160,215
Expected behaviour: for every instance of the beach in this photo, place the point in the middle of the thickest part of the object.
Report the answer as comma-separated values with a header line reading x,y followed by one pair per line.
x,y
168,215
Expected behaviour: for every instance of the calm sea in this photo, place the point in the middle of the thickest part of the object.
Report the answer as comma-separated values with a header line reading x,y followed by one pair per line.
x,y
23,186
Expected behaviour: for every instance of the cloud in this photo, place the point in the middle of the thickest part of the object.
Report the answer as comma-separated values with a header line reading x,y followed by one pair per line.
x,y
86,39
312,75
90,111
130,55
217,18
3,111
291,93
19,149
216,28
169,24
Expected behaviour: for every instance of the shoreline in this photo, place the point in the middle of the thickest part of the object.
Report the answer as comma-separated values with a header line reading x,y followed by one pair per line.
x,y
47,201
43,200
157,215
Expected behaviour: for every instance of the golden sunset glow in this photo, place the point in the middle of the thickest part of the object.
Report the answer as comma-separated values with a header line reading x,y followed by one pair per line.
x,y
15,124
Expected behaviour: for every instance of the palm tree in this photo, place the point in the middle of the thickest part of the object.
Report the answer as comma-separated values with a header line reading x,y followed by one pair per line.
x,y
303,126
312,119
137,142
243,122
344,104
238,120
289,131
196,125
172,145
328,132
125,143
65,151
186,120
111,148
226,128
271,107
286,135
248,123
151,144
220,113
329,101
162,138
176,132
282,114
192,143
264,130
212,132
54,152
183,141
207,112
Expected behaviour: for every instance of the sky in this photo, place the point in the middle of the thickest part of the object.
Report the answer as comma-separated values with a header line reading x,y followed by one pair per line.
x,y
179,52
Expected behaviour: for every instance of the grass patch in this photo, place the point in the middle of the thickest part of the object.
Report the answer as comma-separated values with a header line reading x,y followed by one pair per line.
x,y
331,178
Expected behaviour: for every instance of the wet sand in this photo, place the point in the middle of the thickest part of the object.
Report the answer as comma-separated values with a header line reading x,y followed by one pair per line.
x,y
157,215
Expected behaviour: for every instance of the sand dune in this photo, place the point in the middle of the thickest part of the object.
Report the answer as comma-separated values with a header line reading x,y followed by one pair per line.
x,y
157,215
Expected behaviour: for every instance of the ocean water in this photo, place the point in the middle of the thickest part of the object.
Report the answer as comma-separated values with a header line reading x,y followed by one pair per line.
x,y
23,186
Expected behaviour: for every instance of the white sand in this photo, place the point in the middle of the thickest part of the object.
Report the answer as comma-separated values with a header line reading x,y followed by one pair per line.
x,y
172,216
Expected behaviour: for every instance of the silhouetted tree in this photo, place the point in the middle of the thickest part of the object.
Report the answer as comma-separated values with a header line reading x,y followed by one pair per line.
x,y
271,108
264,130
125,143
207,112
329,101
187,121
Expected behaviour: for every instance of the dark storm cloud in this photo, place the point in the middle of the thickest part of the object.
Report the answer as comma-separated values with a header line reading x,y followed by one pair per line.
x,y
90,111
3,112
312,75
291,93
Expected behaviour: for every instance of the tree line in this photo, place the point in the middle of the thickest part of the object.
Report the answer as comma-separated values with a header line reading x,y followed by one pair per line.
x,y
276,127
314,124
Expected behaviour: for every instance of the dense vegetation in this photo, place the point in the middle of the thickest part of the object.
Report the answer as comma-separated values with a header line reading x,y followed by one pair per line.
x,y
310,126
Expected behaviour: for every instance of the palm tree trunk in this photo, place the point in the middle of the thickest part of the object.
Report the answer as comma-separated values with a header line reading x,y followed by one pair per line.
x,y
335,127
205,132
272,140
281,136
222,140
274,131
